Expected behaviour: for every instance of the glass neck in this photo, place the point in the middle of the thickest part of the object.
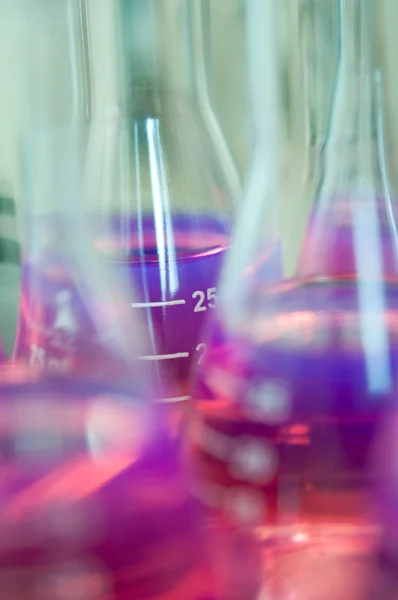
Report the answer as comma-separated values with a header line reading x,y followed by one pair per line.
x,y
348,153
51,175
59,82
161,54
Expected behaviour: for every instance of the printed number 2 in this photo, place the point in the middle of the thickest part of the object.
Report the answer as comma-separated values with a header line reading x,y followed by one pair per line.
x,y
211,299
202,349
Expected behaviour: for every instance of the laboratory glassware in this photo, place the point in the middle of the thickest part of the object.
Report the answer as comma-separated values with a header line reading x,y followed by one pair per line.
x,y
58,91
56,74
300,368
93,499
311,29
166,185
316,24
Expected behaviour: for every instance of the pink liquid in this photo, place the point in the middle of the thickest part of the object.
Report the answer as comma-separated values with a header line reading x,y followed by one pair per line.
x,y
287,415
343,228
93,501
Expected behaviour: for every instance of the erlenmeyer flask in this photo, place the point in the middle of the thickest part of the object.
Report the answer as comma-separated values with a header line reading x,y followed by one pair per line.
x,y
57,80
55,325
93,499
165,186
300,370
354,176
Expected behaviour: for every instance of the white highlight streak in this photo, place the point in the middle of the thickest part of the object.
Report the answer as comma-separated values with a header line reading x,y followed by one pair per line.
x,y
164,356
177,399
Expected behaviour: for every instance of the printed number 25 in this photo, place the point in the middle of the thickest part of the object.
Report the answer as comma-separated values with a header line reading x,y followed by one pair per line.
x,y
211,299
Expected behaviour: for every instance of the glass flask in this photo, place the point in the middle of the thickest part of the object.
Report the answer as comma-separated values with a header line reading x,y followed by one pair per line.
x,y
165,187
94,502
57,83
302,365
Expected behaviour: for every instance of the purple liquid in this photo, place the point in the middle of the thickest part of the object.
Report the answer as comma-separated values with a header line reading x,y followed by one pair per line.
x,y
173,295
93,500
345,227
287,415
176,288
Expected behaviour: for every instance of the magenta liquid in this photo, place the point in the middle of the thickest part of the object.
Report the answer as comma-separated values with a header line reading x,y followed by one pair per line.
x,y
384,566
345,227
288,411
175,273
174,292
93,500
